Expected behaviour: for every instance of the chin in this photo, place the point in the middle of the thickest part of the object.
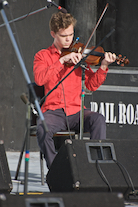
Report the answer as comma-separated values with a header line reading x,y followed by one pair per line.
x,y
66,46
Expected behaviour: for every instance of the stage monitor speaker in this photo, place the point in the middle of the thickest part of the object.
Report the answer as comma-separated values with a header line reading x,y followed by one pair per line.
x,y
95,166
76,199
5,177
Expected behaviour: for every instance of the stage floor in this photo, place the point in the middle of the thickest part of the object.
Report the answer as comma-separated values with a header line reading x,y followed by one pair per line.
x,y
34,175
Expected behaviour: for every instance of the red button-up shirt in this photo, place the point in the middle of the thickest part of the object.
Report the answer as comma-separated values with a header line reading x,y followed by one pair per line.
x,y
48,71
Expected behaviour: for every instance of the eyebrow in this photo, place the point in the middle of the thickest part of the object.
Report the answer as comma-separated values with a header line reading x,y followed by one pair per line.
x,y
66,35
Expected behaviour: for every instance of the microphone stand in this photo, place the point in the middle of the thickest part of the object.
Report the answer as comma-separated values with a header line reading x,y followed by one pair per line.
x,y
82,102
19,57
27,15
80,64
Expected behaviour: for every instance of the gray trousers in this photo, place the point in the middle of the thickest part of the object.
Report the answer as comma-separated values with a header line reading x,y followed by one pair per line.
x,y
94,123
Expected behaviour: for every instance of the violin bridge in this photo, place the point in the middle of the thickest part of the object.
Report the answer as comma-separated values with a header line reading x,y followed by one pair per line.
x,y
80,49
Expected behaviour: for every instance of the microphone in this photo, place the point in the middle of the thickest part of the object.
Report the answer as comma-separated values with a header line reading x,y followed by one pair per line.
x,y
59,7
26,101
4,3
24,98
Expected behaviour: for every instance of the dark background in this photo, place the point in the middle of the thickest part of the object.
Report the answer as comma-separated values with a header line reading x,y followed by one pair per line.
x,y
32,34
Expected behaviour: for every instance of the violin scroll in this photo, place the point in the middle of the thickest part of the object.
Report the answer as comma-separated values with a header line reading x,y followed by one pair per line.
x,y
122,60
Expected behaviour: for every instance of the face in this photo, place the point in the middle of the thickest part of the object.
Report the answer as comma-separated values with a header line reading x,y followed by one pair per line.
x,y
63,38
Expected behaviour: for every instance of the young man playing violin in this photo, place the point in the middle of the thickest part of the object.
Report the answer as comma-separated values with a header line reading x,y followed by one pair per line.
x,y
64,103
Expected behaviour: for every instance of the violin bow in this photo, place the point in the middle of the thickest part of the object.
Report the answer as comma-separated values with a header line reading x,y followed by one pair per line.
x,y
95,28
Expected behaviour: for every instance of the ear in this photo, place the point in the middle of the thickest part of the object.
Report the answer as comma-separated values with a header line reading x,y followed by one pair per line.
x,y
52,34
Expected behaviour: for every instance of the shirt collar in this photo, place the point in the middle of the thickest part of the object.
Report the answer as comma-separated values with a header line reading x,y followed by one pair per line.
x,y
54,49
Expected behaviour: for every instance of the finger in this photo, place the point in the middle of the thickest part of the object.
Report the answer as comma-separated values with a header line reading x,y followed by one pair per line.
x,y
110,57
75,60
76,57
114,56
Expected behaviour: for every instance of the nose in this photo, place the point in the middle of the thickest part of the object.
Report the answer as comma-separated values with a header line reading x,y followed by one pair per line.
x,y
67,38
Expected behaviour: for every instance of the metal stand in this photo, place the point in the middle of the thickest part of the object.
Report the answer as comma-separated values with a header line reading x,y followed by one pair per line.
x,y
82,104
26,141
28,122
19,57
26,144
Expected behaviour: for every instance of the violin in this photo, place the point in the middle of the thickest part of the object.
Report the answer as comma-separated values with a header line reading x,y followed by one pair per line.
x,y
95,58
